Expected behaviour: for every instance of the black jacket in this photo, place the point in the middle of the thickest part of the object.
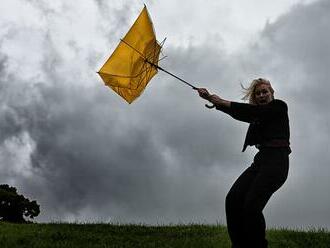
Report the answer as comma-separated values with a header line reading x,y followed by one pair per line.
x,y
267,122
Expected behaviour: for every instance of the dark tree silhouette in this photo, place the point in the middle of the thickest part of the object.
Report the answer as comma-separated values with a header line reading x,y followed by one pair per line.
x,y
14,207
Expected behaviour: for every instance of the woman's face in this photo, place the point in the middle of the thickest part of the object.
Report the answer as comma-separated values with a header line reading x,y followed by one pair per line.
x,y
262,94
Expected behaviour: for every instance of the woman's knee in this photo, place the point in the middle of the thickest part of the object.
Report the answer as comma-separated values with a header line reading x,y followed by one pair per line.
x,y
253,207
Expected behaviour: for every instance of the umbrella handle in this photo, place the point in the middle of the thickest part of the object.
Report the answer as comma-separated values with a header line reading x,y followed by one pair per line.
x,y
206,105
210,106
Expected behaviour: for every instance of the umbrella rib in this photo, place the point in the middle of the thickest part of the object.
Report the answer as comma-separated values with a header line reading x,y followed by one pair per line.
x,y
146,60
144,75
143,70
123,76
141,54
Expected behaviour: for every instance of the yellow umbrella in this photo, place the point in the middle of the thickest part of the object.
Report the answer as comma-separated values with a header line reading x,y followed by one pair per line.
x,y
135,60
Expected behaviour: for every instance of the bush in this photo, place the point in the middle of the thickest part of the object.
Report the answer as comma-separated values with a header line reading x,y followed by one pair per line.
x,y
14,207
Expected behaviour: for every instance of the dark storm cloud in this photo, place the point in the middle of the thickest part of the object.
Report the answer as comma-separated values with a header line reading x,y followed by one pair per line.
x,y
165,158
138,163
304,41
95,153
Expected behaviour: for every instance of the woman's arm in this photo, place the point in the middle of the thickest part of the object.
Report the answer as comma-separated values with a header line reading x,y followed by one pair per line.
x,y
215,99
274,109
244,111
219,102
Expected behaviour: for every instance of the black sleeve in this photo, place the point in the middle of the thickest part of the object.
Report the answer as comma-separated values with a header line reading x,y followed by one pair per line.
x,y
224,109
249,112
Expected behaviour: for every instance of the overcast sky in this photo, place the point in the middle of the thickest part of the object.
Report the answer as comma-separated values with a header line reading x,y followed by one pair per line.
x,y
84,154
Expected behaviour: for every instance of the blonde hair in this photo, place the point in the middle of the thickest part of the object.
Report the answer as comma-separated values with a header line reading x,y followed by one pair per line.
x,y
249,92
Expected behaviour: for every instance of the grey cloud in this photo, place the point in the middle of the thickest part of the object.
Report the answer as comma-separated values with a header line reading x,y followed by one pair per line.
x,y
166,158
89,155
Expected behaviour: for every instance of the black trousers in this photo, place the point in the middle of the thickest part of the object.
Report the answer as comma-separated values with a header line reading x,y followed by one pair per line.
x,y
249,195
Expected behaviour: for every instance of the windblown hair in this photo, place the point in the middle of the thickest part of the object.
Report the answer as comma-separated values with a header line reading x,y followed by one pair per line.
x,y
249,92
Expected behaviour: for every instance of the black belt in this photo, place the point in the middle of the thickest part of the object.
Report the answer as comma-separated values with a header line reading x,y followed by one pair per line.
x,y
274,143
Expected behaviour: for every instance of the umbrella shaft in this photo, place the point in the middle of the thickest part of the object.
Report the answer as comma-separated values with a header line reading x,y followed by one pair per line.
x,y
158,67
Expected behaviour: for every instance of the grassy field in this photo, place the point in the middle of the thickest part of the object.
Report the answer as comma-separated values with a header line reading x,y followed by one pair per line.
x,y
108,235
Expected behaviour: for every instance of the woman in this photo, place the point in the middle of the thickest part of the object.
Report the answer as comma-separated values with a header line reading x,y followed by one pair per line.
x,y
269,132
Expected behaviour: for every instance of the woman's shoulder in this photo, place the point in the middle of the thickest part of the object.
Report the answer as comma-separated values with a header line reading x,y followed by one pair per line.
x,y
280,103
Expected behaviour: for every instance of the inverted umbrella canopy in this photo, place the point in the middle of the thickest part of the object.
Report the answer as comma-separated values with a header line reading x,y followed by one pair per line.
x,y
135,60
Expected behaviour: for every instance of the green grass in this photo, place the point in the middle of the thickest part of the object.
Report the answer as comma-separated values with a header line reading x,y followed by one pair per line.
x,y
109,235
